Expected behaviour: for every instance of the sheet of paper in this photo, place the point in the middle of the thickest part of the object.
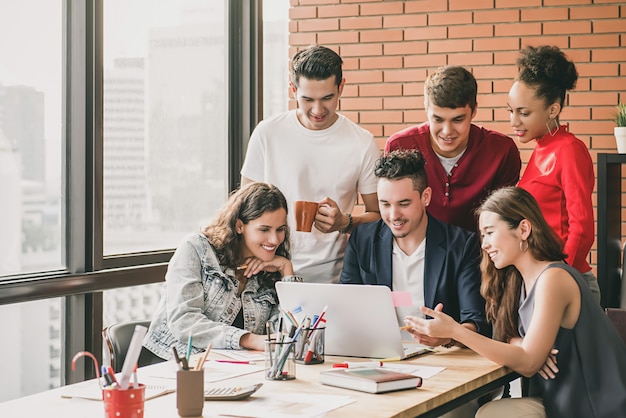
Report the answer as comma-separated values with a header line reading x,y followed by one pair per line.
x,y
284,405
401,299
213,371
242,355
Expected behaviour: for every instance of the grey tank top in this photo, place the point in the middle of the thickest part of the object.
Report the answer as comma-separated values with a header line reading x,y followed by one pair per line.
x,y
591,382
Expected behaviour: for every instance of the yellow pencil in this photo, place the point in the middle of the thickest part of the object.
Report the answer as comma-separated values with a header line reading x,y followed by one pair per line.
x,y
200,364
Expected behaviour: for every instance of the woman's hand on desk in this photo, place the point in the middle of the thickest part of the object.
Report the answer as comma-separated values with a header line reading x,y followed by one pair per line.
x,y
253,341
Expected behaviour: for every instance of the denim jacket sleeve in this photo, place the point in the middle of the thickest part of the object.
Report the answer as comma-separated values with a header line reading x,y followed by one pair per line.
x,y
198,295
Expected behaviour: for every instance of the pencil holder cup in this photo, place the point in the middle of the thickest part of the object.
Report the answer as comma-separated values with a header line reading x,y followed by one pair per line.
x,y
190,392
127,403
310,346
280,360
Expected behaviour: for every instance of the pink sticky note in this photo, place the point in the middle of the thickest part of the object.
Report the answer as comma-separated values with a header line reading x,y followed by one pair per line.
x,y
401,299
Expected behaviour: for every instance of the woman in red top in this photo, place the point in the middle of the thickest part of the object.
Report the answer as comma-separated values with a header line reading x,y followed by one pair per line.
x,y
560,172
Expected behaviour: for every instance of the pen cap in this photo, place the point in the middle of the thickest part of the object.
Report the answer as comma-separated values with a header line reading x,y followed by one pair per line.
x,y
127,403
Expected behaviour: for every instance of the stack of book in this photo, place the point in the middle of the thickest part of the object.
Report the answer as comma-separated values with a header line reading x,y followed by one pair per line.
x,y
376,380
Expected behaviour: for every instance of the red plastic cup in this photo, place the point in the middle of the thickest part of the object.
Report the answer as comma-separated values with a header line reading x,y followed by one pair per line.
x,y
127,403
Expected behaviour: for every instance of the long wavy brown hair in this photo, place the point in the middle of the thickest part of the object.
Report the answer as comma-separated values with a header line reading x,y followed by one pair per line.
x,y
246,204
501,287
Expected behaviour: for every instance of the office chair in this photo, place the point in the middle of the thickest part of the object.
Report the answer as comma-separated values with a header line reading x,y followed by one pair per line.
x,y
618,318
116,339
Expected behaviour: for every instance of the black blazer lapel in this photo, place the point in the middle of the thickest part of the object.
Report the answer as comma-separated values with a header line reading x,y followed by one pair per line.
x,y
382,256
434,258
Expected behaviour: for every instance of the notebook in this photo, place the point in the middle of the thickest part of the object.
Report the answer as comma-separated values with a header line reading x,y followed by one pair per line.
x,y
360,319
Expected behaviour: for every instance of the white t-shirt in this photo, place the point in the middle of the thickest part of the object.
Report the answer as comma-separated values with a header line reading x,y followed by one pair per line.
x,y
449,163
306,164
408,276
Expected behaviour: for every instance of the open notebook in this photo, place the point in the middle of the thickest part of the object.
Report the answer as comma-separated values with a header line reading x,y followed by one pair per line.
x,y
360,319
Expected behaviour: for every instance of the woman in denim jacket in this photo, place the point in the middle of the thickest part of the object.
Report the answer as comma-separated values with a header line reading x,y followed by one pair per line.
x,y
219,285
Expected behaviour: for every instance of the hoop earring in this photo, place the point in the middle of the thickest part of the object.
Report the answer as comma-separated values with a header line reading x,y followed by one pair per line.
x,y
556,125
521,246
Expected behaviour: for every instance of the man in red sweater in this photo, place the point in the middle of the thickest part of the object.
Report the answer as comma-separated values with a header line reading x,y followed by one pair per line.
x,y
464,162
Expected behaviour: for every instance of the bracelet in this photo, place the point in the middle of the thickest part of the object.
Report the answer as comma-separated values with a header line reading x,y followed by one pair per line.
x,y
348,228
451,344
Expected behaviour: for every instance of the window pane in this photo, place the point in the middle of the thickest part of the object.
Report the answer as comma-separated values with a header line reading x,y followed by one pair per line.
x,y
165,136
31,363
30,136
131,303
275,57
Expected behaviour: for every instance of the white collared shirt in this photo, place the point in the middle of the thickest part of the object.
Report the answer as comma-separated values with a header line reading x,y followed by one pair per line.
x,y
408,276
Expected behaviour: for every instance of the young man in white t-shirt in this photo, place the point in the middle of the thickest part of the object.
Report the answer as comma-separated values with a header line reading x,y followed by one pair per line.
x,y
313,153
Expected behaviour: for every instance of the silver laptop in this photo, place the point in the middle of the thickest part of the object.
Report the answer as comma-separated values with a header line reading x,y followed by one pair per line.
x,y
360,319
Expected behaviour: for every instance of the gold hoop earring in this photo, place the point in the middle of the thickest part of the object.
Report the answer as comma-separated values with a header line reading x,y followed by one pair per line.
x,y
556,126
521,246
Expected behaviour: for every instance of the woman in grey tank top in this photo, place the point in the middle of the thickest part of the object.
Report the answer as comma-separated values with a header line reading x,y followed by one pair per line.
x,y
547,325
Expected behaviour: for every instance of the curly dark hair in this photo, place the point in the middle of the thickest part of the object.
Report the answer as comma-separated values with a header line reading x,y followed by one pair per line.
x,y
401,164
451,86
246,204
501,287
316,63
547,69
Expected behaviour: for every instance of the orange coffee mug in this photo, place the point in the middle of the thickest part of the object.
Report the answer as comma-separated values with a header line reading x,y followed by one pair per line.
x,y
305,215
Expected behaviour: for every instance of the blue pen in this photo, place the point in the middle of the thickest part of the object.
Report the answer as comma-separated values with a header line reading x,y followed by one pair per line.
x,y
108,380
280,362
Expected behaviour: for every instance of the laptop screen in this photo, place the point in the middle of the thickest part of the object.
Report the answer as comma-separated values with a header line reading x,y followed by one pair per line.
x,y
360,319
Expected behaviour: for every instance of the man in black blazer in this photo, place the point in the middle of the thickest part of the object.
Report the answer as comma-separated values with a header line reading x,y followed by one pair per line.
x,y
409,250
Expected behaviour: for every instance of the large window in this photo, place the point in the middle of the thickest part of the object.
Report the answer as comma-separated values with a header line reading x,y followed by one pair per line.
x,y
122,128
165,142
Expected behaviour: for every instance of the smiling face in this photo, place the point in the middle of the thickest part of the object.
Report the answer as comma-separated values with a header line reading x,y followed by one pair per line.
x,y
317,102
402,207
262,236
528,113
449,128
501,243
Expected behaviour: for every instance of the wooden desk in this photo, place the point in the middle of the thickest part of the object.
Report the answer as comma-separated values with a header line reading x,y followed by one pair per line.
x,y
467,375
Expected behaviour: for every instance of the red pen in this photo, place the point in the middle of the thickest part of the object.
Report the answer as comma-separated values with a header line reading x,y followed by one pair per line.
x,y
308,357
112,373
235,361
358,364
317,322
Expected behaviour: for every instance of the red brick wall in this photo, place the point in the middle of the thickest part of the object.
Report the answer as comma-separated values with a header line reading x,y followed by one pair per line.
x,y
389,48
